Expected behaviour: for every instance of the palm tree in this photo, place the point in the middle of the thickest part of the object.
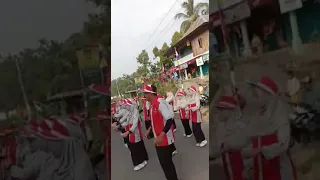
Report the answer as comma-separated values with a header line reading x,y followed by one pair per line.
x,y
191,13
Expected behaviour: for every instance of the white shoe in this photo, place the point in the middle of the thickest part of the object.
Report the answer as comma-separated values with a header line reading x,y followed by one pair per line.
x,y
198,144
140,166
174,130
190,135
203,143
184,134
145,162
174,152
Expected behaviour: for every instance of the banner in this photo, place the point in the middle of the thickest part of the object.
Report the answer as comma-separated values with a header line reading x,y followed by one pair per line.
x,y
89,57
289,5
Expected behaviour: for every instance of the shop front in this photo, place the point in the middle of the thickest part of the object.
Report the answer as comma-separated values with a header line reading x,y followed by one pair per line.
x,y
230,26
302,22
183,71
203,64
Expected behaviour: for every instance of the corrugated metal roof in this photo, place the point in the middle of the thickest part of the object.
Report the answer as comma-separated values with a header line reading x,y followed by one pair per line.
x,y
199,22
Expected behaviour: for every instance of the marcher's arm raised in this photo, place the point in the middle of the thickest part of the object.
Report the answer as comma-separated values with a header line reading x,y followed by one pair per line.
x,y
281,146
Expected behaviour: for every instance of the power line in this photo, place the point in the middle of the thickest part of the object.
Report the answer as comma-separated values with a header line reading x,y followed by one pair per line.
x,y
161,22
162,32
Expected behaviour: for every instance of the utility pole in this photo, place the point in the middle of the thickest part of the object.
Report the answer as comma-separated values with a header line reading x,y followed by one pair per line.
x,y
225,37
117,87
25,98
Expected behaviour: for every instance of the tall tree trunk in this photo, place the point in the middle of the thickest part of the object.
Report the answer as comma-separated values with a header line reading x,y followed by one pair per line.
x,y
25,98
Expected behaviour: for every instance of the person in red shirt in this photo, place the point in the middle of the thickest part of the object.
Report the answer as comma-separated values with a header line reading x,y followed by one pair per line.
x,y
161,114
181,105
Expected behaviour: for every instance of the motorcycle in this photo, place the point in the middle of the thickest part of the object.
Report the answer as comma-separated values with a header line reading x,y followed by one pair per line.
x,y
204,100
305,122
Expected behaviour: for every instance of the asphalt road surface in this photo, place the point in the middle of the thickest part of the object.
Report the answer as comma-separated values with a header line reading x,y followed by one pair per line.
x,y
191,162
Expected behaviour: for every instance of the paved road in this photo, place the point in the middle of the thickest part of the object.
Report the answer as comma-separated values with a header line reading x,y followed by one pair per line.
x,y
191,162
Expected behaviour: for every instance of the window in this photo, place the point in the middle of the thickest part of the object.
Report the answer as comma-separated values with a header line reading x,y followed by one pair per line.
x,y
200,42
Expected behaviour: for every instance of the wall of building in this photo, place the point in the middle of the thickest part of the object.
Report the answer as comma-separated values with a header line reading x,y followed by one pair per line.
x,y
197,50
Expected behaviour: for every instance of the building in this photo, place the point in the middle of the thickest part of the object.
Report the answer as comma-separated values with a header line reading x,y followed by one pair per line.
x,y
276,24
192,50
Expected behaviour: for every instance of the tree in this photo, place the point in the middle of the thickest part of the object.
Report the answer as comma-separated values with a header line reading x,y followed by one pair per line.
x,y
155,52
192,12
124,84
176,37
164,60
143,60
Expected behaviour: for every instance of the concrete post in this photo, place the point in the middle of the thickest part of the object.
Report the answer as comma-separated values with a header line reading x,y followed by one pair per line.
x,y
245,37
296,40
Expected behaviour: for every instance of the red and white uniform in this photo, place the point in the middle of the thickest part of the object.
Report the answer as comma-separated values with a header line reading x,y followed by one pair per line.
x,y
230,139
161,111
181,105
194,106
271,137
134,124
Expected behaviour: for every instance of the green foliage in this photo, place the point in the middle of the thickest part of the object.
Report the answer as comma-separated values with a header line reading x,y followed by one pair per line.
x,y
52,66
164,86
176,37
143,60
191,13
166,61
124,84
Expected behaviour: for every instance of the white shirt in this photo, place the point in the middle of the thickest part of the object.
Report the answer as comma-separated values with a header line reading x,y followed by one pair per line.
x,y
166,109
293,86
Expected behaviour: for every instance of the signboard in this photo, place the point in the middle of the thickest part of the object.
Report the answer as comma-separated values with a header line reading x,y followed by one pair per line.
x,y
205,57
89,58
289,5
199,61
224,4
184,59
183,66
237,13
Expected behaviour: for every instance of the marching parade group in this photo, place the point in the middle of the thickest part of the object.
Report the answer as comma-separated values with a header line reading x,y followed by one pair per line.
x,y
254,145
55,148
158,115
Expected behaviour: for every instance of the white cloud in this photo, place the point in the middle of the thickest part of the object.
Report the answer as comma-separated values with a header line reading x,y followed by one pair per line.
x,y
133,22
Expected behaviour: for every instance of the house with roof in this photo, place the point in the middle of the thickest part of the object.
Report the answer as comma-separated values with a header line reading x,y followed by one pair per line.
x,y
191,52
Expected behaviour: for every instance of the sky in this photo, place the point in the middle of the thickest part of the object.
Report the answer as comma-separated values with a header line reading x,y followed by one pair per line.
x,y
24,22
133,22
